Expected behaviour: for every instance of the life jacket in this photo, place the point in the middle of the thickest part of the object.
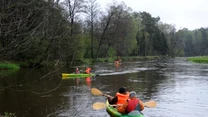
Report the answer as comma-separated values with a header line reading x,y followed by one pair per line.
x,y
122,98
77,71
116,62
88,70
134,104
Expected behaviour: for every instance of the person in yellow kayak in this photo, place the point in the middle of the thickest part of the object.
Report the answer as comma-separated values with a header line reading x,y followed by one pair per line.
x,y
121,96
88,70
77,71
131,104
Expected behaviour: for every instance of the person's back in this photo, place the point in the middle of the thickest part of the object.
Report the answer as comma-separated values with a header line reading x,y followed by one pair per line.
x,y
131,104
77,71
88,70
120,97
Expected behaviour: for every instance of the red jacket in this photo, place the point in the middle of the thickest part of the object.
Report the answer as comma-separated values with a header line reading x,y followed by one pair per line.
x,y
134,104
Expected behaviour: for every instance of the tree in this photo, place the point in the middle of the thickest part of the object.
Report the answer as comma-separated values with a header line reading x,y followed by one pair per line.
x,y
73,8
92,15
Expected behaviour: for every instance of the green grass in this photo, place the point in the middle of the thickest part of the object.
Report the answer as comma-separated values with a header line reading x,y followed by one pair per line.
x,y
201,59
6,114
8,68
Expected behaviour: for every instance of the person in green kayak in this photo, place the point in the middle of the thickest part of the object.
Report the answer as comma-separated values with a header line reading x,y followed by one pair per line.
x,y
131,104
121,96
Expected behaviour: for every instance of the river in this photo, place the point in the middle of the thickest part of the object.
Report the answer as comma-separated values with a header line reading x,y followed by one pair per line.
x,y
179,87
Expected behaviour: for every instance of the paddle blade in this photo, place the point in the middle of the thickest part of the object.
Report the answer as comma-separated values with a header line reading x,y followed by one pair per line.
x,y
150,104
99,105
96,92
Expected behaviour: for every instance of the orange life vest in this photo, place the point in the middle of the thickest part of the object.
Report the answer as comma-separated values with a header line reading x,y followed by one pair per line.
x,y
116,62
88,70
122,98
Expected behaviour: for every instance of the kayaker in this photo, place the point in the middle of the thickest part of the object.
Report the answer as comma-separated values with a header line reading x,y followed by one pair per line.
x,y
116,62
131,104
77,71
88,70
121,96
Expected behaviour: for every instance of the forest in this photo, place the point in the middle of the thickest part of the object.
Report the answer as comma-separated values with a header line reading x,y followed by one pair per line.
x,y
35,31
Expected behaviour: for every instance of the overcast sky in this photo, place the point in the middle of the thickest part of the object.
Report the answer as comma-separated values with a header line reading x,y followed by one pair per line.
x,y
192,14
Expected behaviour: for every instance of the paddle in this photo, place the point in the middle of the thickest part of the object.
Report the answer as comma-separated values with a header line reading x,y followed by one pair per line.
x,y
97,92
101,105
150,104
97,106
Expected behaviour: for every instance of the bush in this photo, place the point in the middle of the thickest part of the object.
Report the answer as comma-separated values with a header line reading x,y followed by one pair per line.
x,y
7,68
6,114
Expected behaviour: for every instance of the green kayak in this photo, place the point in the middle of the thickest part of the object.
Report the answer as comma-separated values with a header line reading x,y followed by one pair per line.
x,y
114,113
72,75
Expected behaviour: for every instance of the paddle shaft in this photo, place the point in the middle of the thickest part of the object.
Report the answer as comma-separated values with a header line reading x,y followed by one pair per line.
x,y
107,95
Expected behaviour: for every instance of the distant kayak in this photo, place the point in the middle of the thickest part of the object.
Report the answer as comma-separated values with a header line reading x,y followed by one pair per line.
x,y
73,75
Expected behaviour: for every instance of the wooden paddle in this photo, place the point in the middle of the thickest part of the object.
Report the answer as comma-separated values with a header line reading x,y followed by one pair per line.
x,y
97,92
98,105
101,105
150,104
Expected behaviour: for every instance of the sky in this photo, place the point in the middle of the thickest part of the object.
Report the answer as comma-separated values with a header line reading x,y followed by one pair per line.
x,y
191,14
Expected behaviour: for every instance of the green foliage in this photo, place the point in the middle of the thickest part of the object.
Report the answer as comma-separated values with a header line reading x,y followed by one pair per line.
x,y
135,58
36,31
111,52
202,59
110,60
8,68
150,39
6,114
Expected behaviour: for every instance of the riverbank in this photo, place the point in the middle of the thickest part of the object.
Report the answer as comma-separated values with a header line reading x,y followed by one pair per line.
x,y
7,68
130,58
16,65
201,59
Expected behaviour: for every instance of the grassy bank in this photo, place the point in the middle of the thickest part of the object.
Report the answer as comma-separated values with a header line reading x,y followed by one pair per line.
x,y
112,59
7,68
201,59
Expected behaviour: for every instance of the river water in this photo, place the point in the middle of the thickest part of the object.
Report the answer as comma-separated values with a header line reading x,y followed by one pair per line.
x,y
179,87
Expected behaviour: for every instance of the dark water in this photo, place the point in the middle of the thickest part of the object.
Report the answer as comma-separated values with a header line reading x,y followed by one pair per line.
x,y
179,87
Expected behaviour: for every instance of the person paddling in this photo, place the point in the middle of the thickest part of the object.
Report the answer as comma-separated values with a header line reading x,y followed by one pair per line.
x,y
121,96
131,104
88,70
77,71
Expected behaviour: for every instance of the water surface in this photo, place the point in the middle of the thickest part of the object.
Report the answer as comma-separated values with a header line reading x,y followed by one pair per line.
x,y
179,87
